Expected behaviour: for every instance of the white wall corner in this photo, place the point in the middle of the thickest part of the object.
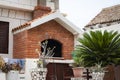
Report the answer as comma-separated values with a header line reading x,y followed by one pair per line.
x,y
0,11
5,12
12,13
20,14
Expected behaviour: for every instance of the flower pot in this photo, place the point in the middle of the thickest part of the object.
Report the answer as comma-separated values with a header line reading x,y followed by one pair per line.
x,y
110,74
98,75
78,71
117,72
12,75
2,76
39,74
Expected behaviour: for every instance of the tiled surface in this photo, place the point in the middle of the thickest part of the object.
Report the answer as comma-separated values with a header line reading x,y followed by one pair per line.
x,y
9,13
39,74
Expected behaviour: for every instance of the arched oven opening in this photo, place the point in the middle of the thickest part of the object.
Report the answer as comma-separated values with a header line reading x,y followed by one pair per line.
x,y
54,43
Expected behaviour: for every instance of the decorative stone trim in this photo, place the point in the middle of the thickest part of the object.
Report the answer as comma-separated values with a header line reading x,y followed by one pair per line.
x,y
15,14
78,78
98,75
39,74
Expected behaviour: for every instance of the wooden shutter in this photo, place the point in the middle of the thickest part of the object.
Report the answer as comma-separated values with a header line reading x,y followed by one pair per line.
x,y
4,32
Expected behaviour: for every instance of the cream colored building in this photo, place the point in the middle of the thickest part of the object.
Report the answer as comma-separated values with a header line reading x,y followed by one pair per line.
x,y
107,19
16,13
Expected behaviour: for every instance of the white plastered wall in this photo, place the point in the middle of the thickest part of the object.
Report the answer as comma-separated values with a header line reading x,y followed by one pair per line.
x,y
15,18
115,27
19,4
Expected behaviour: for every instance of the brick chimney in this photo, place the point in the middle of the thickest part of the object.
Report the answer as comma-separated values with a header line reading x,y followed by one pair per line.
x,y
39,11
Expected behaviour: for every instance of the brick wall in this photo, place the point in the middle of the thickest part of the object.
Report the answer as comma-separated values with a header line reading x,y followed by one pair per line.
x,y
20,45
40,11
29,40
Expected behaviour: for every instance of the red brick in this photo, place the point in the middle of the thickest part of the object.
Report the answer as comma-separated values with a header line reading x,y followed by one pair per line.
x,y
40,11
26,42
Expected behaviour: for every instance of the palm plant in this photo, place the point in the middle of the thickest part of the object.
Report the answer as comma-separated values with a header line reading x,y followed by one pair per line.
x,y
97,47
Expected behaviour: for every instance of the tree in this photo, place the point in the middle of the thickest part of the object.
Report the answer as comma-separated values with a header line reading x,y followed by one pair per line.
x,y
97,47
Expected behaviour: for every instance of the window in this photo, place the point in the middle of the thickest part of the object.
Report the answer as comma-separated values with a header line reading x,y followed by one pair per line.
x,y
4,36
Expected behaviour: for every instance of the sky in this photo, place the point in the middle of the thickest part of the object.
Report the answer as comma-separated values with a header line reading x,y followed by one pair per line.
x,y
80,12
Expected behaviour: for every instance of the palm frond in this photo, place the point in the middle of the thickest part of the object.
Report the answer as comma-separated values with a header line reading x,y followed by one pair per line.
x,y
98,46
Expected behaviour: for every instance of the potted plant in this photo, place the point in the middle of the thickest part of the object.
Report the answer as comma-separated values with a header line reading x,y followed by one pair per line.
x,y
42,62
98,47
78,67
97,72
2,75
2,62
11,70
7,68
45,54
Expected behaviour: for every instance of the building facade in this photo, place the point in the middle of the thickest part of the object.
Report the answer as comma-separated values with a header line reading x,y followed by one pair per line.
x,y
46,22
14,13
108,18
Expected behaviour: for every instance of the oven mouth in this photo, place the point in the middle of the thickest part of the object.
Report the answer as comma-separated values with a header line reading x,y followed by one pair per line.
x,y
52,43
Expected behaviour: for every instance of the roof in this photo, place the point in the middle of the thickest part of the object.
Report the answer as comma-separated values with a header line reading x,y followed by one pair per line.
x,y
57,16
109,14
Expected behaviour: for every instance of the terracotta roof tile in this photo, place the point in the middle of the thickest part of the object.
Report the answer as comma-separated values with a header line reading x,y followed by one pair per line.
x,y
110,14
29,23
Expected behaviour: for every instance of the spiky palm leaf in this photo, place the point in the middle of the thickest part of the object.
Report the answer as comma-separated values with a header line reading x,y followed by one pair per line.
x,y
97,46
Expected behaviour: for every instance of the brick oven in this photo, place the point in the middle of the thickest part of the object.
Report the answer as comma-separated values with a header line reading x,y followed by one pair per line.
x,y
46,25
57,30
